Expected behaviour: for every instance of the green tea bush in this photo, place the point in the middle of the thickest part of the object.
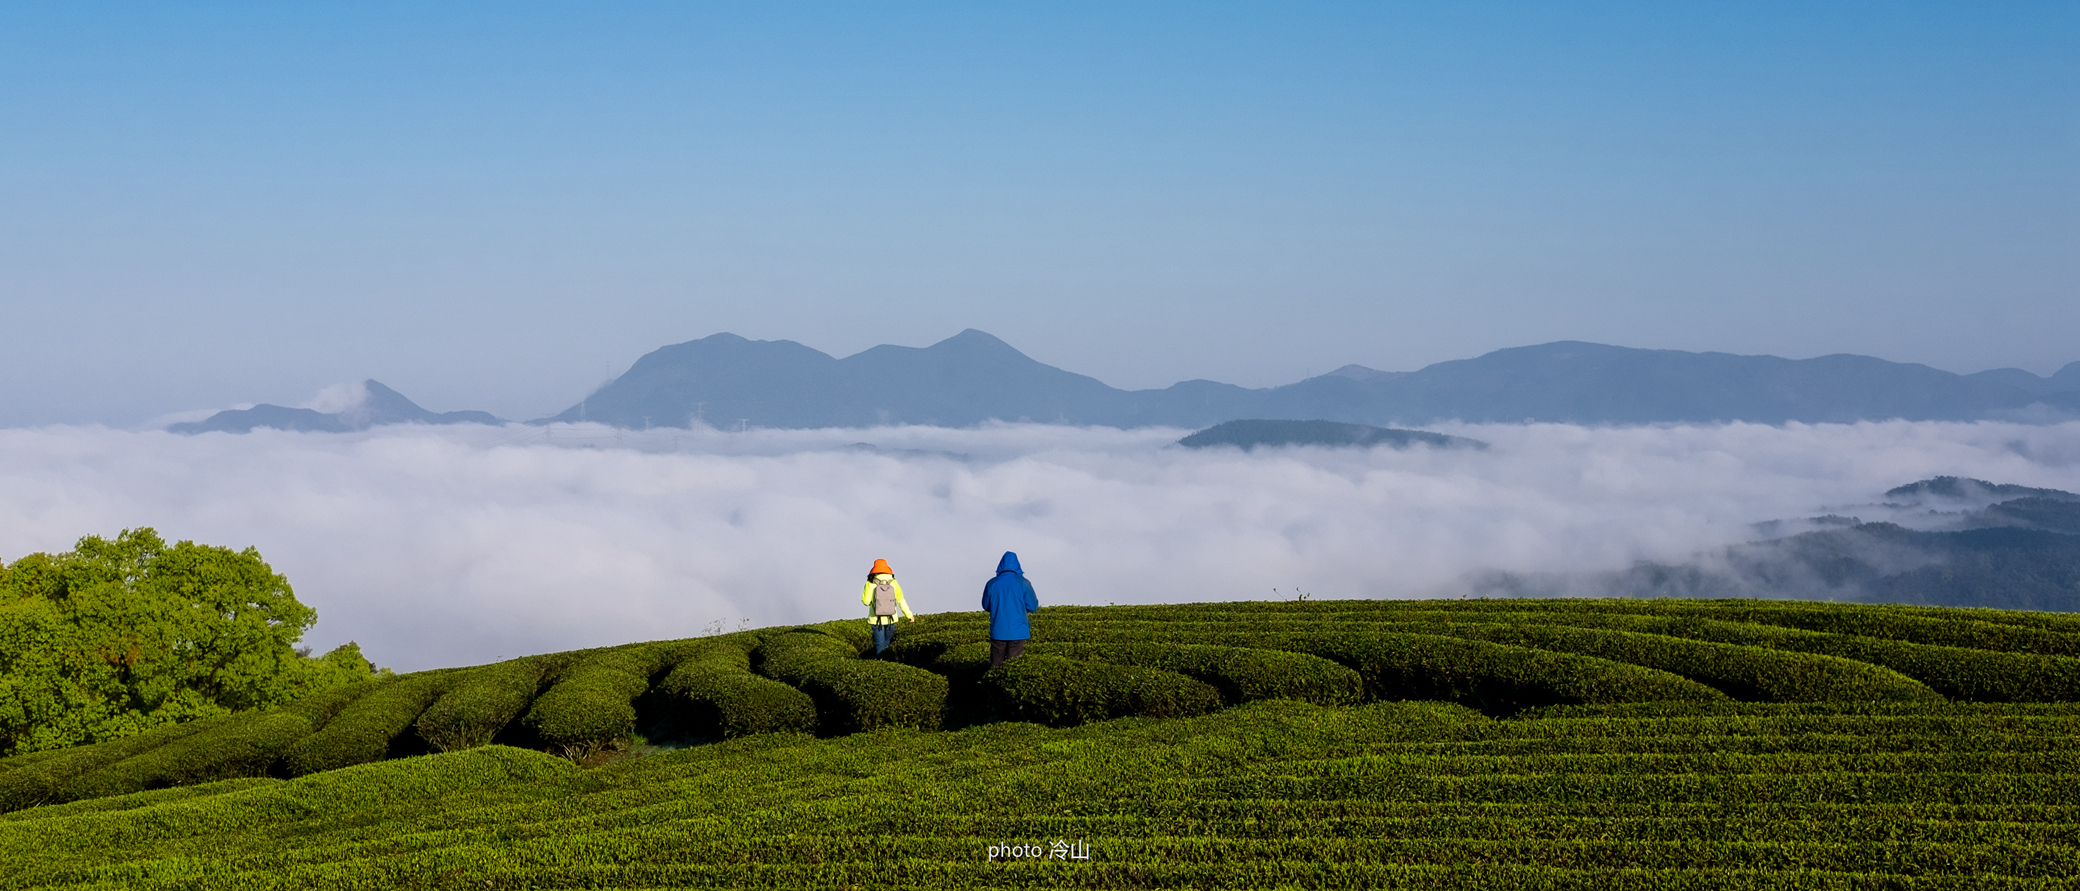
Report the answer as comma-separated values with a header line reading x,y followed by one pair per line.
x,y
1065,692
850,693
1239,673
1497,679
963,665
1949,631
713,693
38,781
591,705
375,726
1743,672
1977,675
923,646
244,745
480,703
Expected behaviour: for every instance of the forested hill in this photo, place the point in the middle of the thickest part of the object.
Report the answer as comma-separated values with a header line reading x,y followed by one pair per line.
x,y
973,377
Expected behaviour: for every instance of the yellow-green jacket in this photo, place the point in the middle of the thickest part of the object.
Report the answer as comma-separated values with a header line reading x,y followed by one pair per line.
x,y
866,599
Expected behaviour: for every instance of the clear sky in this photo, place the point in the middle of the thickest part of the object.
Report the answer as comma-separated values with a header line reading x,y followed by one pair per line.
x,y
499,206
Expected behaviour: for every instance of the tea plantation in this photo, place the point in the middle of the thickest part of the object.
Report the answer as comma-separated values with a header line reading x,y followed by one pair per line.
x,y
1593,744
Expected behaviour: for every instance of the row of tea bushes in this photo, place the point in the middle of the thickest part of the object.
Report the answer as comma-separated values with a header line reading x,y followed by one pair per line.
x,y
1241,674
1906,795
483,701
590,706
1977,675
376,725
714,694
1090,664
1752,673
223,747
1064,692
44,780
851,694
1495,678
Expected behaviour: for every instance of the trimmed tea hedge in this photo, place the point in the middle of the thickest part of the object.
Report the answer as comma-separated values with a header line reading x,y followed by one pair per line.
x,y
375,726
1977,675
712,693
1239,673
1497,679
1743,672
39,781
591,705
1065,692
1628,777
244,746
480,703
850,693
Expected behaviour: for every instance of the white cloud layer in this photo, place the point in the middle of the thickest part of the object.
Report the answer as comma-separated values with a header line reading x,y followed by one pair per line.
x,y
457,545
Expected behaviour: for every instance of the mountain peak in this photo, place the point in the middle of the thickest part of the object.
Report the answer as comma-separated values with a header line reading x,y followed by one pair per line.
x,y
378,405
973,340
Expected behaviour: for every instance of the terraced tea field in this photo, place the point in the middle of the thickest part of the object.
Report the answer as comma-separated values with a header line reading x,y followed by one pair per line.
x,y
1462,744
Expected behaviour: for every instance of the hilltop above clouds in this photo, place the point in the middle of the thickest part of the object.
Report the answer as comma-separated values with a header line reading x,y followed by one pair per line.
x,y
972,377
370,404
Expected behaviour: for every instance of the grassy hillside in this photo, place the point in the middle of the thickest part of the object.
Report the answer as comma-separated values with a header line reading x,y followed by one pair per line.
x,y
1461,744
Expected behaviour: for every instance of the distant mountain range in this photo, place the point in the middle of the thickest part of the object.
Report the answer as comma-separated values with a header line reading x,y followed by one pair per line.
x,y
382,405
973,377
727,381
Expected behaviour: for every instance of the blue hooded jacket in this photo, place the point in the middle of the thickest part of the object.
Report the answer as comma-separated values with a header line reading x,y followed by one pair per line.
x,y
1008,597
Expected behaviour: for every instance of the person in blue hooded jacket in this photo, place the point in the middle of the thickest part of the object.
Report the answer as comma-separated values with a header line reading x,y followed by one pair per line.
x,y
1008,597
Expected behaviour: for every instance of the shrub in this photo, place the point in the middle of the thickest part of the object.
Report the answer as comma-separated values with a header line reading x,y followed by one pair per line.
x,y
965,661
1495,678
712,693
1976,675
1948,631
38,782
1743,672
240,746
922,647
1065,692
591,705
1239,673
481,703
851,693
372,727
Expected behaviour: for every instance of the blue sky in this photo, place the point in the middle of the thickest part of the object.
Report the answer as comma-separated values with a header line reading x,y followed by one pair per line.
x,y
500,206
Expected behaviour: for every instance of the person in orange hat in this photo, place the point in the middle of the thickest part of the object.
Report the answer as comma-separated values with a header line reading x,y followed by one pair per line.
x,y
882,598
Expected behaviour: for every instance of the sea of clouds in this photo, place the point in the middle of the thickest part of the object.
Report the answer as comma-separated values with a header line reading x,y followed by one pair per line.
x,y
436,546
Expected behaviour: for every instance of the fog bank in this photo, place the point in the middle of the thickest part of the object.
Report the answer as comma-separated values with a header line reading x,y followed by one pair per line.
x,y
456,545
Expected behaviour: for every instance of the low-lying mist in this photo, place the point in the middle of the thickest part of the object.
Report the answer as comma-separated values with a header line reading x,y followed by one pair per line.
x,y
447,546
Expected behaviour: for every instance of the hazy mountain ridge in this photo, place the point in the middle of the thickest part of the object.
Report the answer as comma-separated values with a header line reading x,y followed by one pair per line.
x,y
973,377
725,380
380,405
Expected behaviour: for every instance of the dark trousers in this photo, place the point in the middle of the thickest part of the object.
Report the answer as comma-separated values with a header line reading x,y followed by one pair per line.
x,y
883,636
1002,651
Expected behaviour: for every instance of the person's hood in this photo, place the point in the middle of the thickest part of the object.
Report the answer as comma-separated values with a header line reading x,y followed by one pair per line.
x,y
1009,564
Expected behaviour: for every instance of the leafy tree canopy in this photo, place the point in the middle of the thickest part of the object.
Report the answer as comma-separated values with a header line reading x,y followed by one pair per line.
x,y
118,636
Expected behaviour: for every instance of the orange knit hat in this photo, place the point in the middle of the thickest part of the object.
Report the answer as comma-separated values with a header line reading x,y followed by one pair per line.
x,y
880,566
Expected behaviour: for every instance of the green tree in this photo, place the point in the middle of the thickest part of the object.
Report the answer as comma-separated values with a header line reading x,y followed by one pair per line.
x,y
121,635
